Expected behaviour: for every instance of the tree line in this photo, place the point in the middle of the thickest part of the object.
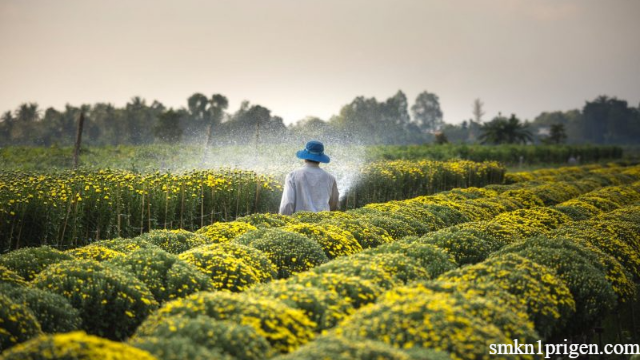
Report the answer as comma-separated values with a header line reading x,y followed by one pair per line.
x,y
206,119
604,120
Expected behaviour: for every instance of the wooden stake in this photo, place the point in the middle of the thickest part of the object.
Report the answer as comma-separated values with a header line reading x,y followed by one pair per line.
x,y
76,153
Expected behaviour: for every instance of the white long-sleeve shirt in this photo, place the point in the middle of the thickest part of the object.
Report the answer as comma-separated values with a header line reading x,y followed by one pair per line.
x,y
309,188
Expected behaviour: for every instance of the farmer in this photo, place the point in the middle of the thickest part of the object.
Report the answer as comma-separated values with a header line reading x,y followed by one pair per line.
x,y
310,188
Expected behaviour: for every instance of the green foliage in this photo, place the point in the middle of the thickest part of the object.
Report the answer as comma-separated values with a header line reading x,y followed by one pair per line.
x,y
618,239
94,252
226,272
325,308
74,208
17,323
125,245
404,179
465,246
29,262
340,348
269,220
240,342
10,277
354,289
548,301
433,259
176,348
285,328
74,345
52,311
334,240
422,320
290,252
386,270
173,241
112,303
221,232
166,276
593,294
502,130
367,235
621,280
394,227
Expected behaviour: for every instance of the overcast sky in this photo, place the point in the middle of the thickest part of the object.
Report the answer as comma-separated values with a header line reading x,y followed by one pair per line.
x,y
309,57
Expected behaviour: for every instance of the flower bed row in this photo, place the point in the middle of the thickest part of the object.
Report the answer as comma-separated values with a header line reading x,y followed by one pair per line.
x,y
73,208
279,316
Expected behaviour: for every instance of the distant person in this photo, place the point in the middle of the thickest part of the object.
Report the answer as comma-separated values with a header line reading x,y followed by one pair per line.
x,y
310,188
572,160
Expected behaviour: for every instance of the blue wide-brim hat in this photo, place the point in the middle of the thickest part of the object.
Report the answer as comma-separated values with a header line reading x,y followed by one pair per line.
x,y
314,151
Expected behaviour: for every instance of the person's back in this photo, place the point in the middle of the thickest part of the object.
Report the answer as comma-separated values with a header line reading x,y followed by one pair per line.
x,y
310,188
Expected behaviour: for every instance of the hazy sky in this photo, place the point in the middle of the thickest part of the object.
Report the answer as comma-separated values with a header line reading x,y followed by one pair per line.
x,y
308,57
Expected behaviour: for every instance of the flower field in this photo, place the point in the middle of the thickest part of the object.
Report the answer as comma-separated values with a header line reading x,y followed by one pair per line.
x,y
546,257
67,209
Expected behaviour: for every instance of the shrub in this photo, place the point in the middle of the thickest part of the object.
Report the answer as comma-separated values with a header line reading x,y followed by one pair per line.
x,y
621,281
28,262
366,234
628,214
397,229
384,269
325,308
509,320
334,241
610,237
290,252
434,321
285,328
527,198
592,293
317,217
548,217
449,216
226,272
585,209
10,277
125,245
354,289
241,342
412,211
74,345
600,203
94,252
52,311
17,323
576,213
174,241
555,193
519,223
264,268
412,225
268,220
224,231
111,302
488,230
166,276
430,257
465,246
340,348
548,300
176,348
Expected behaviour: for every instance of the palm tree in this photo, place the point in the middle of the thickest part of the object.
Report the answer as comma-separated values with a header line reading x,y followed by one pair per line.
x,y
501,130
